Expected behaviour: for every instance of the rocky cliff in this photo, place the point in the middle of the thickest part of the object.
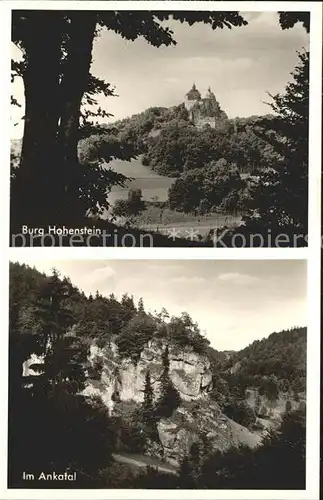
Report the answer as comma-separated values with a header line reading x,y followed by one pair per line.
x,y
120,382
123,380
189,372
270,412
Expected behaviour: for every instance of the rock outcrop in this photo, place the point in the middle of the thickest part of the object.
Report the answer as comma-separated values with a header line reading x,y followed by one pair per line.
x,y
272,411
178,432
189,372
123,380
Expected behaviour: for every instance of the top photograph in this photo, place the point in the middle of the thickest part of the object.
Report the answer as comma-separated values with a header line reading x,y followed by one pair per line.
x,y
138,128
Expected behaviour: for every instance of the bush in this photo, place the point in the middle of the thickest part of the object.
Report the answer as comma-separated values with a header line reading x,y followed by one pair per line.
x,y
101,342
118,476
168,402
288,406
184,332
240,412
134,335
129,433
132,206
212,185
153,479
121,208
145,161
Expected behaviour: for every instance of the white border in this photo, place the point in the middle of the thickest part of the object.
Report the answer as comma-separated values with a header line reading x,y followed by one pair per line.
x,y
312,253
242,6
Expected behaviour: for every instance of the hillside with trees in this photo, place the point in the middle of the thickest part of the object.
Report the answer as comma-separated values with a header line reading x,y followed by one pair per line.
x,y
53,329
180,147
272,370
282,452
279,361
249,167
199,159
63,134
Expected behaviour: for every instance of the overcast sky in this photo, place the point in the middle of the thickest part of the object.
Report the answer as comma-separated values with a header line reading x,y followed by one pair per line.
x,y
241,65
235,302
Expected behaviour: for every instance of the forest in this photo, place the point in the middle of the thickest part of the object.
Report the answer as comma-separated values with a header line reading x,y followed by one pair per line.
x,y
55,425
63,134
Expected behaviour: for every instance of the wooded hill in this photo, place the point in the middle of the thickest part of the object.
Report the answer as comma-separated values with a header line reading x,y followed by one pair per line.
x,y
61,428
171,144
56,51
276,363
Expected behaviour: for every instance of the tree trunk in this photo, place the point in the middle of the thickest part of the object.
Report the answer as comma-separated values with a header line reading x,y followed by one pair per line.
x,y
73,86
46,190
33,193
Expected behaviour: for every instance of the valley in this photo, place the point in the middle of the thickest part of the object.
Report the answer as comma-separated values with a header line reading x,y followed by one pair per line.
x,y
157,216
146,389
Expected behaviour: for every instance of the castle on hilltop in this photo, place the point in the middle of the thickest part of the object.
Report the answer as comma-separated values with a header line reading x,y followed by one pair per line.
x,y
204,110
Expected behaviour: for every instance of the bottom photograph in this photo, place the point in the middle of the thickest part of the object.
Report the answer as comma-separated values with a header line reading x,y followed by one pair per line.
x,y
157,374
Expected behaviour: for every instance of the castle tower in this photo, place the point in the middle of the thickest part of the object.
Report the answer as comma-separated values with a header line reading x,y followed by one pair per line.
x,y
210,95
203,111
192,97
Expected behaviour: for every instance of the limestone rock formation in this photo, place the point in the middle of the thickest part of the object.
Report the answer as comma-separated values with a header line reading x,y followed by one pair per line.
x,y
122,380
273,410
190,373
185,426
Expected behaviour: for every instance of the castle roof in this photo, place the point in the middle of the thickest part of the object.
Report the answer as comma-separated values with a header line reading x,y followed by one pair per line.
x,y
193,94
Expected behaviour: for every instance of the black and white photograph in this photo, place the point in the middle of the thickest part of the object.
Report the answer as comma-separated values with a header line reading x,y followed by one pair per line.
x,y
138,373
195,379
160,128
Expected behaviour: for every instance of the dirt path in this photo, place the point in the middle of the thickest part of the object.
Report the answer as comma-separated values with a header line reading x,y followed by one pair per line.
x,y
127,459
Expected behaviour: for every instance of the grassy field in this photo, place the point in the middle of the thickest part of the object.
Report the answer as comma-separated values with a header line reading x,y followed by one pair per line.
x,y
153,186
155,192
164,220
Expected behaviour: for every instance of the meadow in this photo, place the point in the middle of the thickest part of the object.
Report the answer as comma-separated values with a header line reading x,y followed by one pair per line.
x,y
157,217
